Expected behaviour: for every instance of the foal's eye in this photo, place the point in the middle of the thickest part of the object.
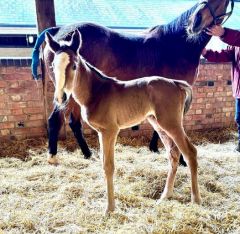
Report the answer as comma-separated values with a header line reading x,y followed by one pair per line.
x,y
74,67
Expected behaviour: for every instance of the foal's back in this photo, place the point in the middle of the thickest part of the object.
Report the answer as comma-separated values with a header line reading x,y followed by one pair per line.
x,y
127,103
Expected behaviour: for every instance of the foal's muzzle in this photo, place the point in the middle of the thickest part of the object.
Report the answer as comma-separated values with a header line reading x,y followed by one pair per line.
x,y
61,100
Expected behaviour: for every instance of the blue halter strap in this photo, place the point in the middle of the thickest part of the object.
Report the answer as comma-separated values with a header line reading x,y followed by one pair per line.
x,y
36,50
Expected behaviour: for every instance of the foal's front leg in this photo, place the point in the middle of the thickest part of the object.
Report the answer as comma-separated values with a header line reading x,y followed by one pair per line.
x,y
107,140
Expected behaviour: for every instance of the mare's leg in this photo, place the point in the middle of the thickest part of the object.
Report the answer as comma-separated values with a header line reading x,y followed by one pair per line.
x,y
76,126
107,140
55,122
181,161
173,155
153,146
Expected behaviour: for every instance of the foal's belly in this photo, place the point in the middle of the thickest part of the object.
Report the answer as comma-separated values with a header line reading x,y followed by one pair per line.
x,y
127,120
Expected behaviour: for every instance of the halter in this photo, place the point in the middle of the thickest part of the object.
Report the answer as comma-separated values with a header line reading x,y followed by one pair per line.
x,y
218,18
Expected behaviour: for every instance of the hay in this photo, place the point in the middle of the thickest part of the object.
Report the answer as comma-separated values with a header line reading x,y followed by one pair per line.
x,y
70,198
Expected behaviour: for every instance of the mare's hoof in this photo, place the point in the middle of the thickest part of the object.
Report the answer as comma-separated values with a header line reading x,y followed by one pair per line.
x,y
182,162
52,159
135,128
88,155
154,149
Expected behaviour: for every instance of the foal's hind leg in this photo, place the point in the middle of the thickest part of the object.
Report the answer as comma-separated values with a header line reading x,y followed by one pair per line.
x,y
190,154
55,122
173,155
76,126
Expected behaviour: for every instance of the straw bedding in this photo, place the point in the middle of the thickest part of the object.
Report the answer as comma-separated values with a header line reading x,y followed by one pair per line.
x,y
70,198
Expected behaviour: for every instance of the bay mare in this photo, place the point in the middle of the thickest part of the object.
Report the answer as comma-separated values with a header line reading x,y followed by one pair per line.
x,y
108,105
172,50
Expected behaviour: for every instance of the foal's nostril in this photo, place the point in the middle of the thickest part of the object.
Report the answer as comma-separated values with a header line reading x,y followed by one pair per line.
x,y
197,20
64,97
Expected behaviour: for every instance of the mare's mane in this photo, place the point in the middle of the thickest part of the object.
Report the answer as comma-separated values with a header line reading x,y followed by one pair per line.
x,y
98,73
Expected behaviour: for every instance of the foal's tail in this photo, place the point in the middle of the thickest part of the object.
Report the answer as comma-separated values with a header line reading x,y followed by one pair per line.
x,y
36,49
188,89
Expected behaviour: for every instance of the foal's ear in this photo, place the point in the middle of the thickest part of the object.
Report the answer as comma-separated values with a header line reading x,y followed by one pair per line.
x,y
76,41
53,45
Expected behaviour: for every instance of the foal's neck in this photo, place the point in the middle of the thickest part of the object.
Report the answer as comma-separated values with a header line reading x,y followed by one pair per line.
x,y
89,84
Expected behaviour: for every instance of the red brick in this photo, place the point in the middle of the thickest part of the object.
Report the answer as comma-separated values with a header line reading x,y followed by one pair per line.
x,y
36,117
23,70
13,84
4,98
198,117
17,90
5,112
34,123
16,111
210,94
17,105
16,98
3,84
27,85
2,105
3,70
20,131
3,118
5,132
17,117
32,96
14,76
198,112
200,95
32,110
35,103
227,109
6,125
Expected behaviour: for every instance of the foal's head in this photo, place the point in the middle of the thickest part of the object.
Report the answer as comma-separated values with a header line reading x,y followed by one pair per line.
x,y
208,13
65,63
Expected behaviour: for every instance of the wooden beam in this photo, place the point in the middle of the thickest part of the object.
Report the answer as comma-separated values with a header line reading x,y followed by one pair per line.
x,y
45,14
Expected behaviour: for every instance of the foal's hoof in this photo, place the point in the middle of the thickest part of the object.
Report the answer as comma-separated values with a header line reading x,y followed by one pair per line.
x,y
197,200
108,211
52,159
164,197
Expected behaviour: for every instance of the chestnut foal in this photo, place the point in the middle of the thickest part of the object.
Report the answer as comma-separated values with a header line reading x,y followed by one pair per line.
x,y
108,105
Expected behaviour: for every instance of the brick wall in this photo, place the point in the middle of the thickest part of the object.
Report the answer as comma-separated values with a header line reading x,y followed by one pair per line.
x,y
21,101
22,108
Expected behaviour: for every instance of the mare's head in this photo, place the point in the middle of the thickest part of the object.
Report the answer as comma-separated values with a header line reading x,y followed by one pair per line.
x,y
208,13
66,60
